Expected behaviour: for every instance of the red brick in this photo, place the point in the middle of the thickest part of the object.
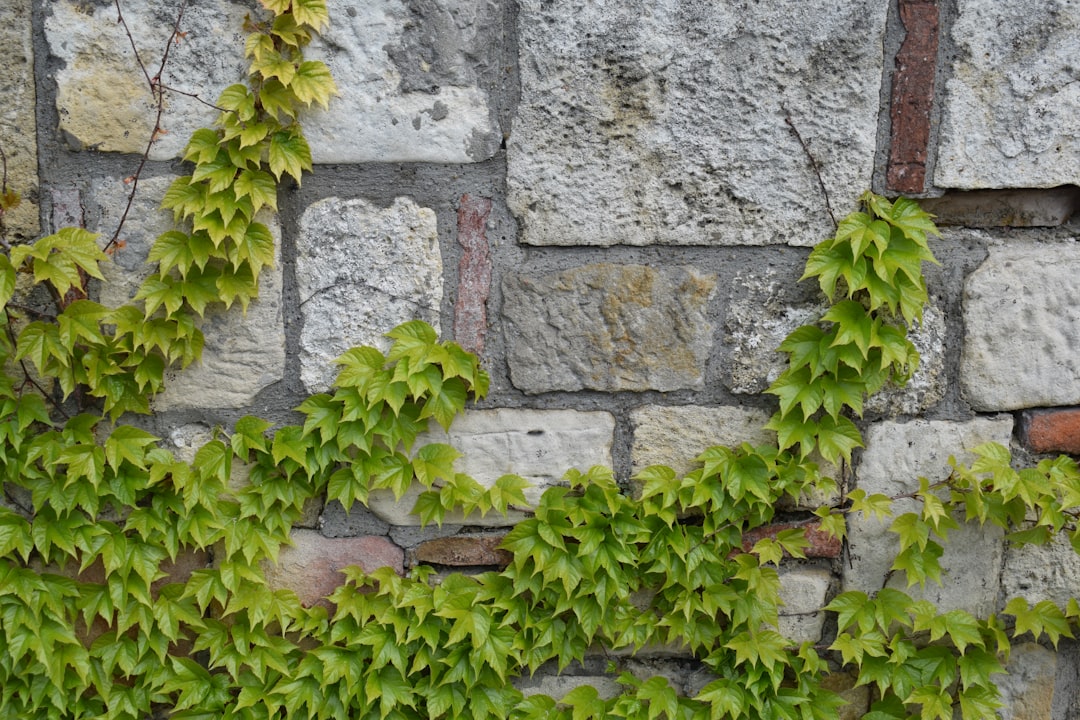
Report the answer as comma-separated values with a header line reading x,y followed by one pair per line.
x,y
312,566
1052,431
474,273
913,96
822,544
463,551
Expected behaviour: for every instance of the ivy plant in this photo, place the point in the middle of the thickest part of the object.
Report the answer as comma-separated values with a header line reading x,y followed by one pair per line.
x,y
95,623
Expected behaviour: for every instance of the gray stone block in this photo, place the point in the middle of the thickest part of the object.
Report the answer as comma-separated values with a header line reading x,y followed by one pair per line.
x,y
608,327
896,456
675,435
405,70
361,270
1009,116
1050,572
803,592
539,445
664,122
1022,328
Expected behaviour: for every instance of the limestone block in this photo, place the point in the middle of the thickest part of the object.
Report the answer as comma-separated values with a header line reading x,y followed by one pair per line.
x,y
361,270
1050,572
663,122
408,76
102,96
1022,328
244,352
896,456
927,385
763,308
539,445
803,592
608,327
1027,690
1009,115
18,127
407,72
675,435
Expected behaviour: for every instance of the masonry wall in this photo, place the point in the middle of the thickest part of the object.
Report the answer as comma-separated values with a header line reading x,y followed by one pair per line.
x,y
611,204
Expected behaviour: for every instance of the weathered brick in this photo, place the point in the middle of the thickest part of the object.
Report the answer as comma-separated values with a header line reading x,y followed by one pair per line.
x,y
474,273
913,96
822,544
463,551
312,566
1046,431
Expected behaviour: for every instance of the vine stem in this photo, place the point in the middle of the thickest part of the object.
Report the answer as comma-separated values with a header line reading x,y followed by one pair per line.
x,y
3,191
814,165
157,89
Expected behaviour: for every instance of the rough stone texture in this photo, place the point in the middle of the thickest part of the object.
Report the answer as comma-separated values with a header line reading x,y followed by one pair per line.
x,y
312,566
539,445
18,127
913,96
244,353
674,435
463,551
664,122
927,386
763,308
803,592
608,327
1050,572
1051,431
1022,328
896,456
1009,110
102,96
361,270
1027,691
557,686
335,521
474,273
407,72
857,697
1004,208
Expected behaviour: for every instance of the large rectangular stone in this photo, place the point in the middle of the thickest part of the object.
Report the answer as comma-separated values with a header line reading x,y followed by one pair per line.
x,y
407,71
896,456
18,127
539,445
608,327
664,122
1009,113
1022,328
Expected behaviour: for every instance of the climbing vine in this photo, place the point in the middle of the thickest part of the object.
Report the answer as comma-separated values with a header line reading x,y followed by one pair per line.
x,y
94,624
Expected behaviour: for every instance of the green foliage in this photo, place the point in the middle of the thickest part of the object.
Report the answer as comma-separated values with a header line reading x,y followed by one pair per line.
x,y
93,622
875,263
118,356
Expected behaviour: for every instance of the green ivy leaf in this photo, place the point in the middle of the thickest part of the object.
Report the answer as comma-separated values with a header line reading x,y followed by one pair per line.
x,y
257,185
312,83
289,153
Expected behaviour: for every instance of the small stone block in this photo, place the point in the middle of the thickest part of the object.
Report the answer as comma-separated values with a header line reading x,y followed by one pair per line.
x,y
1051,431
463,551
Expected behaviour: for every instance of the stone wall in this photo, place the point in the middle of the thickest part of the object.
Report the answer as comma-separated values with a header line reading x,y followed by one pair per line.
x,y
611,203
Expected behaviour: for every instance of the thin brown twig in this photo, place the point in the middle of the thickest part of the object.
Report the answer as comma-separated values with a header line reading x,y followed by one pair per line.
x,y
157,89
813,164
3,191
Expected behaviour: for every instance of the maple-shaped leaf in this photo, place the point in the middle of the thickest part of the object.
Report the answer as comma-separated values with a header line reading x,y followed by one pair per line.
x,y
313,83
311,12
259,186
289,153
